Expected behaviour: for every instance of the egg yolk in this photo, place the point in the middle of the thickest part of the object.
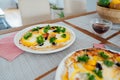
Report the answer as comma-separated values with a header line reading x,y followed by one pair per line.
x,y
65,76
59,40
30,41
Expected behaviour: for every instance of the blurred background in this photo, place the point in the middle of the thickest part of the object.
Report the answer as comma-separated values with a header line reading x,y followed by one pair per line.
x,y
5,4
10,16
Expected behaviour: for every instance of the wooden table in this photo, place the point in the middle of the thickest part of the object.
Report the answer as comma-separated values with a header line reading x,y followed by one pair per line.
x,y
43,67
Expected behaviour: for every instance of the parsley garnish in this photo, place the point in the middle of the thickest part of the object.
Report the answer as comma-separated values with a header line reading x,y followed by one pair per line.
x,y
102,54
83,58
108,63
98,73
35,29
90,76
27,35
63,35
40,39
63,30
46,28
60,29
52,39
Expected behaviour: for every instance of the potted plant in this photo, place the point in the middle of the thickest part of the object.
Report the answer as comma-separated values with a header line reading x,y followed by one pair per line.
x,y
56,12
109,9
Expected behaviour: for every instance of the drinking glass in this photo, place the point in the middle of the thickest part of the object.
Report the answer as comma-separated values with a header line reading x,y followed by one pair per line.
x,y
101,26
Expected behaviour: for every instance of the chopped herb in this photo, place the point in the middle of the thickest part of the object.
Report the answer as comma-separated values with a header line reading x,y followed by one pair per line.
x,y
90,76
98,73
58,29
102,54
83,58
63,35
63,30
108,63
27,35
35,29
52,39
40,39
61,14
46,28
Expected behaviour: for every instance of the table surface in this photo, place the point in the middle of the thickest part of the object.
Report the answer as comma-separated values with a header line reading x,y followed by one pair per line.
x,y
30,66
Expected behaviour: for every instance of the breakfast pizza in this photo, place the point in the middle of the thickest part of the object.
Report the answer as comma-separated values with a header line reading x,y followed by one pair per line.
x,y
92,64
47,37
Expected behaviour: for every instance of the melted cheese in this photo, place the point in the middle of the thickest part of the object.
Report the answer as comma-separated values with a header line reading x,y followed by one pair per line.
x,y
65,76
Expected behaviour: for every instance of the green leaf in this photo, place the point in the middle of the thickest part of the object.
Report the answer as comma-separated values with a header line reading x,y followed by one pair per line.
x,y
58,29
46,28
61,14
98,73
63,29
108,63
53,6
35,29
27,35
52,39
63,35
90,76
103,55
104,3
83,58
40,39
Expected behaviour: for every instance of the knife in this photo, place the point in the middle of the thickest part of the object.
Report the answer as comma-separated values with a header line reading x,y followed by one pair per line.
x,y
112,47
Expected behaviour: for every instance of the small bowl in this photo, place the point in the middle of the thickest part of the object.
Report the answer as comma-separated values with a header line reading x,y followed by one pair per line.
x,y
101,26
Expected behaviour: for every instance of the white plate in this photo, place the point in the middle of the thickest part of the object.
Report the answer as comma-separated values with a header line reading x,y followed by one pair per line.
x,y
61,67
20,34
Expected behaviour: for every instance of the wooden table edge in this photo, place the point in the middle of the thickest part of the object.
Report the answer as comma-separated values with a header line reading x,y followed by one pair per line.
x,y
45,74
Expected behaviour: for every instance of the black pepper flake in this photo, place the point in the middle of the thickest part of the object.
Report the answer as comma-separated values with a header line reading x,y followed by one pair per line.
x,y
53,43
53,27
118,64
46,38
55,31
98,65
41,44
86,50
40,27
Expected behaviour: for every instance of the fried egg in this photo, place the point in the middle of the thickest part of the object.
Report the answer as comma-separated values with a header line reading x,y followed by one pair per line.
x,y
61,39
31,41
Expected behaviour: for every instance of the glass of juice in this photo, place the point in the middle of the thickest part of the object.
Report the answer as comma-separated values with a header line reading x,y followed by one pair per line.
x,y
101,26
